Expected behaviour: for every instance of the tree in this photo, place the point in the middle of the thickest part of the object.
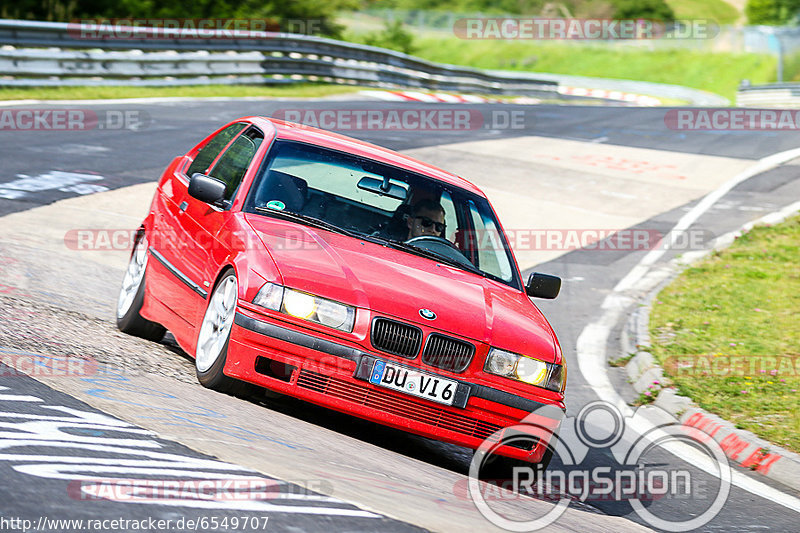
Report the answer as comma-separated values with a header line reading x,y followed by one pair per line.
x,y
643,9
309,14
393,36
772,12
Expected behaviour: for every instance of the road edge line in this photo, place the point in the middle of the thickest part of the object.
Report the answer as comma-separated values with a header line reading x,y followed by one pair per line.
x,y
592,341
743,447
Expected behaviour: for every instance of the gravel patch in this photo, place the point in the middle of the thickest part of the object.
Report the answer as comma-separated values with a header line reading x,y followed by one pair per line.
x,y
46,329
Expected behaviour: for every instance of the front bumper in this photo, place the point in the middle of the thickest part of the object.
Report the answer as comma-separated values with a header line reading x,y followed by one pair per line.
x,y
332,374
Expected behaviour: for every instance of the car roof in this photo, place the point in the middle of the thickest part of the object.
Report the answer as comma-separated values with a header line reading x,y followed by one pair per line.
x,y
327,139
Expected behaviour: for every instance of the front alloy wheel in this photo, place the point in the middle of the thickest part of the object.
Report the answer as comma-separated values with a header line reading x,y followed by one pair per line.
x,y
215,332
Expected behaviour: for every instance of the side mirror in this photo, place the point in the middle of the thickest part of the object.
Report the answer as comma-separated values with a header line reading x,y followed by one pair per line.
x,y
543,286
206,189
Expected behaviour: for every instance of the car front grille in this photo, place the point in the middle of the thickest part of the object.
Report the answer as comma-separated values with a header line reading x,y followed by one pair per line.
x,y
447,353
395,337
396,405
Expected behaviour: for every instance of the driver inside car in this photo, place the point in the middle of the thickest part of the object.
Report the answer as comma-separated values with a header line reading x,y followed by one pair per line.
x,y
426,219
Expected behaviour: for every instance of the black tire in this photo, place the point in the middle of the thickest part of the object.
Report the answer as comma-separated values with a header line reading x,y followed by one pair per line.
x,y
131,322
216,380
213,377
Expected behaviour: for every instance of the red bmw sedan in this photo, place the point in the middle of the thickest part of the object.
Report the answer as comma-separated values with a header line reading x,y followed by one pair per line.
x,y
347,275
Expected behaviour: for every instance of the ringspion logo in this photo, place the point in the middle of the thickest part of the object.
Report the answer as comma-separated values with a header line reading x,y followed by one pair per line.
x,y
631,469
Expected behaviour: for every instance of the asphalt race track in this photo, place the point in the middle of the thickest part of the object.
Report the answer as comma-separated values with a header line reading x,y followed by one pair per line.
x,y
139,411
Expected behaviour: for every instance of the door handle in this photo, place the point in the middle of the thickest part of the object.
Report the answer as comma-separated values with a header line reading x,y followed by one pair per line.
x,y
183,206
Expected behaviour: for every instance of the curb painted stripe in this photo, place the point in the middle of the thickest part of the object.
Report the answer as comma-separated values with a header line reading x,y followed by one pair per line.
x,y
416,96
439,98
640,99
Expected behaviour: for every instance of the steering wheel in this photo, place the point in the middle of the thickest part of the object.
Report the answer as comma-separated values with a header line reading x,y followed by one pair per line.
x,y
441,246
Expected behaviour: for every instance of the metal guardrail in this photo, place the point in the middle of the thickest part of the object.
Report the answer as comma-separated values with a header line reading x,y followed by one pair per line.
x,y
51,53
773,95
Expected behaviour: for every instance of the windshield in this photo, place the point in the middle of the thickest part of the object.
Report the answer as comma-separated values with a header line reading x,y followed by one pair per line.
x,y
409,211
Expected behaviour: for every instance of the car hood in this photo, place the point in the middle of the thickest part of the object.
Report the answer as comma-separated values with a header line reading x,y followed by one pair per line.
x,y
398,284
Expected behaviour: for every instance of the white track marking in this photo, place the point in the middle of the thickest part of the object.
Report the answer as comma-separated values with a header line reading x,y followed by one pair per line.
x,y
591,344
32,436
54,179
704,205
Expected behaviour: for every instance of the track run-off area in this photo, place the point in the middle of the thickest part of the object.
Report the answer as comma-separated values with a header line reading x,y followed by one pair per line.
x,y
559,177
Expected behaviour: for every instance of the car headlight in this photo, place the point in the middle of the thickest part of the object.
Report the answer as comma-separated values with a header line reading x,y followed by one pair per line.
x,y
299,304
501,363
270,296
306,306
526,369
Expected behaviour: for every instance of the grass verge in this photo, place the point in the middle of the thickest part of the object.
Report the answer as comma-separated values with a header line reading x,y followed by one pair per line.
x,y
717,10
716,72
306,90
727,333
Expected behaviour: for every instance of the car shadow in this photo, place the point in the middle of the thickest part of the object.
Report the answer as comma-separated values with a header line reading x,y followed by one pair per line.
x,y
441,454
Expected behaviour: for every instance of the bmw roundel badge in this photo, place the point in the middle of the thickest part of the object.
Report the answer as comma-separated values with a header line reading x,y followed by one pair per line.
x,y
427,314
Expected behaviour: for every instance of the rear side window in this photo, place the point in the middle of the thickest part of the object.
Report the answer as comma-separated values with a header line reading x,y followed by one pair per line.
x,y
211,150
231,167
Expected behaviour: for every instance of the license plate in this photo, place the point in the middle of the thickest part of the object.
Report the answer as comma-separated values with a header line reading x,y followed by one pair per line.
x,y
413,382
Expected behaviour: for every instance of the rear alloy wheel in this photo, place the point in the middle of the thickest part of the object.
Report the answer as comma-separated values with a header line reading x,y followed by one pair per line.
x,y
131,297
215,333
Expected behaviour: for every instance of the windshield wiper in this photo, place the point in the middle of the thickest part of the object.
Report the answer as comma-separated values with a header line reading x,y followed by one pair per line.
x,y
319,223
307,220
424,252
399,245
469,267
